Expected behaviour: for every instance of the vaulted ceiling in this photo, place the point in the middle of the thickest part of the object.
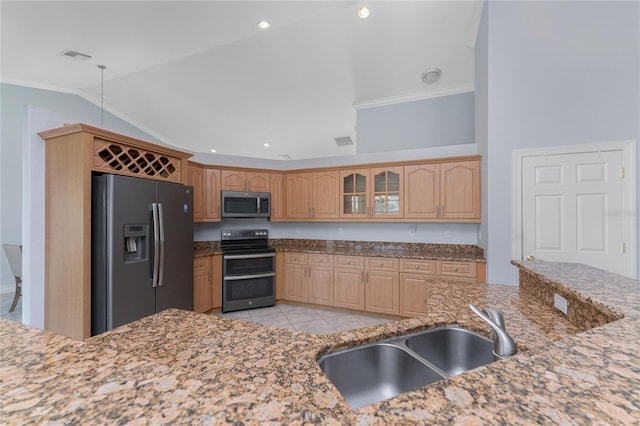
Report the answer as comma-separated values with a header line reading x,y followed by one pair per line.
x,y
202,75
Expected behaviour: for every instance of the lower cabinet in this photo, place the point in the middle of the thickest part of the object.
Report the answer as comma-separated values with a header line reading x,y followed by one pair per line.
x,y
202,294
413,293
207,283
381,285
348,282
309,278
372,284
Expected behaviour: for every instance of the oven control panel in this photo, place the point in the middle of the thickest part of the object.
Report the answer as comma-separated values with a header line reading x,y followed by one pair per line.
x,y
245,234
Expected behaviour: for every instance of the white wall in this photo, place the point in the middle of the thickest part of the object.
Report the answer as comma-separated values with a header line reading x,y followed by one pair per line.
x,y
558,73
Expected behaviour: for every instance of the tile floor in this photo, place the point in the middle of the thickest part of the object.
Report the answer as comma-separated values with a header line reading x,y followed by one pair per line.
x,y
309,320
301,318
5,303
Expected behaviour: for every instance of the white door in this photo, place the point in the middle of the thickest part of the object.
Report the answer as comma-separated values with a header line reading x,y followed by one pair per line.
x,y
572,208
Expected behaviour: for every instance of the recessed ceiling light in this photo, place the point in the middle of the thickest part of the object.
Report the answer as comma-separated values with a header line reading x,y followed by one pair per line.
x,y
263,25
213,150
267,145
364,12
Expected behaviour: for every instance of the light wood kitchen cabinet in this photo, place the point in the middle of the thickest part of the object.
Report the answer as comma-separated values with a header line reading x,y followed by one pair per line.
x,y
413,294
312,196
444,192
206,193
309,278
460,190
211,195
348,282
202,298
250,181
374,193
414,277
381,285
207,283
196,179
320,279
277,197
295,281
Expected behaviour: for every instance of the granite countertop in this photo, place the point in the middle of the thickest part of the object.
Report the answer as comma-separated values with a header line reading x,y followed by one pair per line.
x,y
181,367
447,252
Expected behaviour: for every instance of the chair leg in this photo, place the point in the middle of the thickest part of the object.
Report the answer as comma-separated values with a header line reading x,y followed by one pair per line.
x,y
17,294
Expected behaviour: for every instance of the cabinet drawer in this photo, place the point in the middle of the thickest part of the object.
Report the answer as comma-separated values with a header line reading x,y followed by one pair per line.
x,y
417,266
354,262
297,258
381,264
456,269
320,260
201,265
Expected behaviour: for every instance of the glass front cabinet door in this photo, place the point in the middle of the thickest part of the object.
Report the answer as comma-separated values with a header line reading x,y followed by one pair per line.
x,y
386,192
354,194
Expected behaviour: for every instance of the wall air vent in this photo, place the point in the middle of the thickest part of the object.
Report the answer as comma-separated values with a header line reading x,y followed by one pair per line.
x,y
284,156
75,55
343,141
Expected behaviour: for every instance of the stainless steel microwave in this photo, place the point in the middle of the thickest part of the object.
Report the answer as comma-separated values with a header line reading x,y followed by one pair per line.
x,y
246,204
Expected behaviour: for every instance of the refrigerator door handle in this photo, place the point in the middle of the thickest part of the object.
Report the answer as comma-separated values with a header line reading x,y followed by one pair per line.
x,y
156,246
161,221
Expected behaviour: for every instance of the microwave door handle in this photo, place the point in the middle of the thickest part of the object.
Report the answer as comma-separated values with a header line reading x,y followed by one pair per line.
x,y
258,210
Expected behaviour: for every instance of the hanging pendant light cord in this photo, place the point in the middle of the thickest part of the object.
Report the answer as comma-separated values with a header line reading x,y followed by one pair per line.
x,y
102,68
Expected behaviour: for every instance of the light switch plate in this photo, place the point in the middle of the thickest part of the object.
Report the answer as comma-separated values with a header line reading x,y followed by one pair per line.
x,y
560,303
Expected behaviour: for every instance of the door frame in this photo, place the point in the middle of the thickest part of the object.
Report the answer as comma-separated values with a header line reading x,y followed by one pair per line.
x,y
628,150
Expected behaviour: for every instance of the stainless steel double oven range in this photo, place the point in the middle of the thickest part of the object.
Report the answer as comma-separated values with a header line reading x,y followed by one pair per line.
x,y
248,269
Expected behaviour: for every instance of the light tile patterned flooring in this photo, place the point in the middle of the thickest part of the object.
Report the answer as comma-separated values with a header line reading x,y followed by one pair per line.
x,y
309,320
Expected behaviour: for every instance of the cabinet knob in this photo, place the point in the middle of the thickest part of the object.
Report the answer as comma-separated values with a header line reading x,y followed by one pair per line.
x,y
455,269
380,264
349,262
417,266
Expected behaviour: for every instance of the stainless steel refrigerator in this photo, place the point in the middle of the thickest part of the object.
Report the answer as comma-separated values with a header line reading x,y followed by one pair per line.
x,y
142,249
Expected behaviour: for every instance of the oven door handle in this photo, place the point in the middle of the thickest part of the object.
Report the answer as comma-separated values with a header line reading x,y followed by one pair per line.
x,y
248,256
248,277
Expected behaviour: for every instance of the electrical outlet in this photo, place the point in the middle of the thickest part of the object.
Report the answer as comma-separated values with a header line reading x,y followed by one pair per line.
x,y
297,231
560,303
412,230
340,231
447,234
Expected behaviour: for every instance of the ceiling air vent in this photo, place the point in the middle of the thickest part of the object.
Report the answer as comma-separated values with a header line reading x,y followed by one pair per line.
x,y
75,55
344,141
284,157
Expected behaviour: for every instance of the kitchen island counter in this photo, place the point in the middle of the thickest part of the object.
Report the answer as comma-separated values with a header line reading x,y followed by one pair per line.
x,y
183,367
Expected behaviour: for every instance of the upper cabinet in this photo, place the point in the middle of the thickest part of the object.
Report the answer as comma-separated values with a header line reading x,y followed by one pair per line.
x,y
448,191
196,179
206,193
312,196
239,180
371,193
277,197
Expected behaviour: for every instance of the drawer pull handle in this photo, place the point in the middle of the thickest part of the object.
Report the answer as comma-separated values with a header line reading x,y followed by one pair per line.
x,y
455,269
417,266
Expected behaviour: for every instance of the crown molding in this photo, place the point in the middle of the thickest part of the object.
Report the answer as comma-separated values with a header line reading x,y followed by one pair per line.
x,y
392,100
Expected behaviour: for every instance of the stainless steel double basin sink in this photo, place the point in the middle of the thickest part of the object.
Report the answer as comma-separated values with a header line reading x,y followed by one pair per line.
x,y
379,371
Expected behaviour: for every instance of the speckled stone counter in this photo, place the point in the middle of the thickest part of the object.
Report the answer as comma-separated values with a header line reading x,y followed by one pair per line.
x,y
180,367
447,252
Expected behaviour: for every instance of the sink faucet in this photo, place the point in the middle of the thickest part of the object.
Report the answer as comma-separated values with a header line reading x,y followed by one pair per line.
x,y
503,345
